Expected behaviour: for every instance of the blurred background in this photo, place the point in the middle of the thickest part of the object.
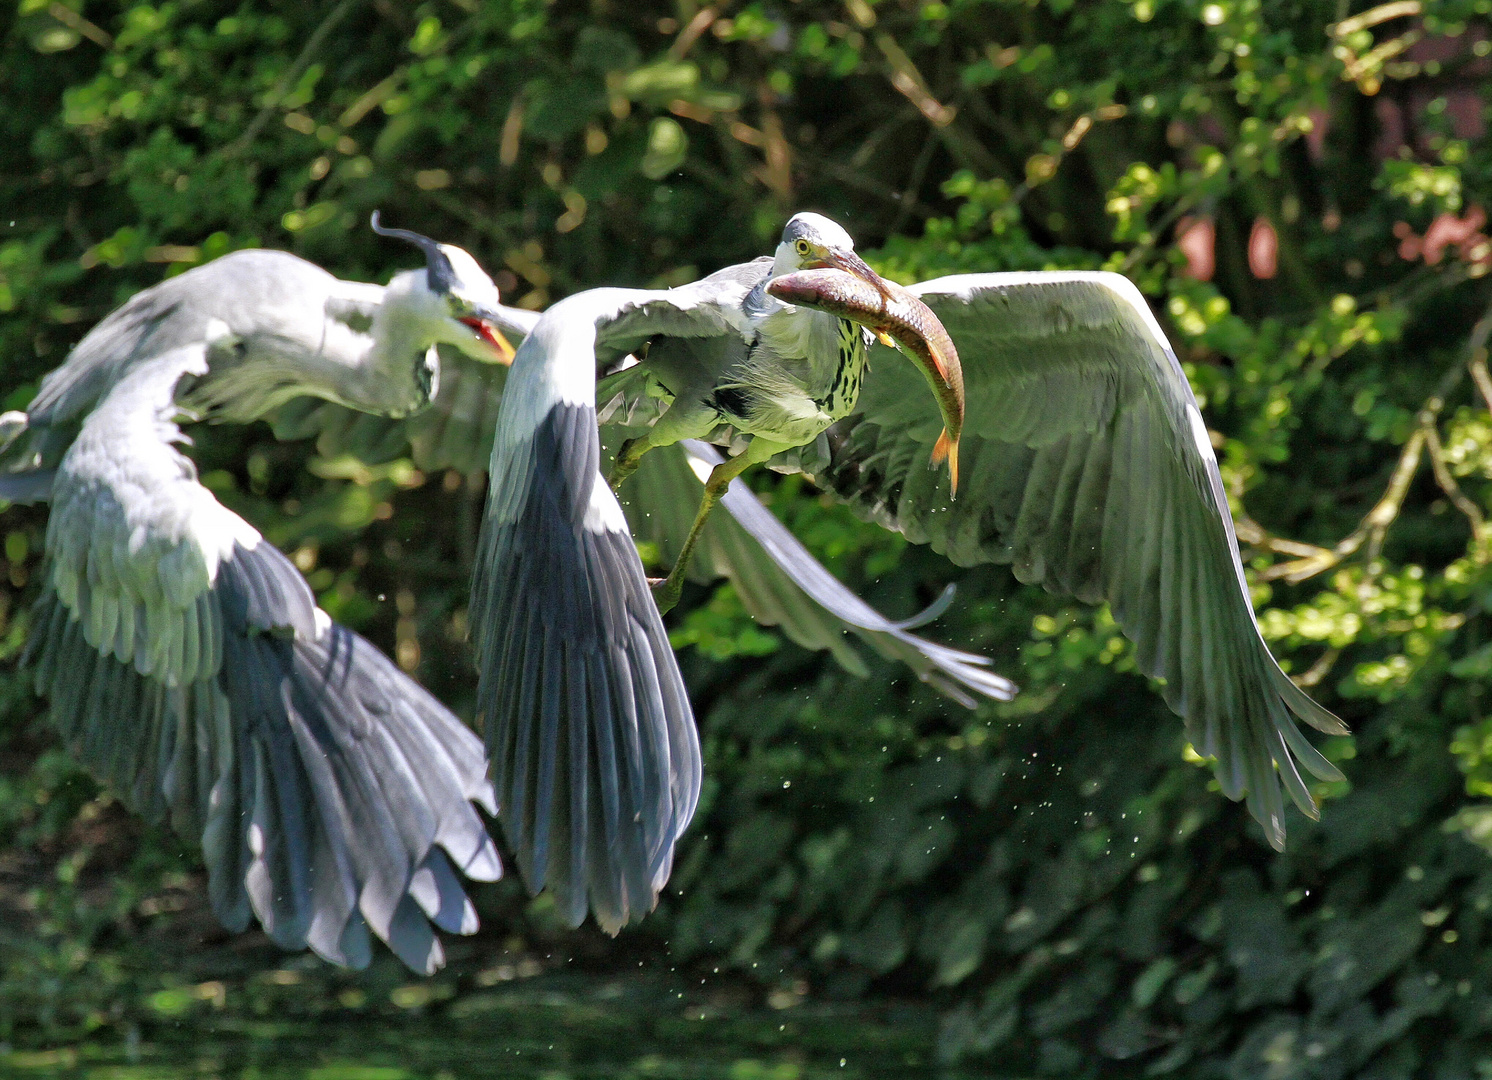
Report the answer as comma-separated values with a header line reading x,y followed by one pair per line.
x,y
878,882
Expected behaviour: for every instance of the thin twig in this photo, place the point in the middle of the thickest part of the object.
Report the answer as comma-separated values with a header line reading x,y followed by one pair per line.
x,y
1317,671
287,80
1478,368
701,22
1448,483
75,22
1181,207
909,82
1374,525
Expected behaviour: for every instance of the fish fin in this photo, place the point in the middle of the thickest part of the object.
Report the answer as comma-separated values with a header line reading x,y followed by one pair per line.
x,y
947,448
939,362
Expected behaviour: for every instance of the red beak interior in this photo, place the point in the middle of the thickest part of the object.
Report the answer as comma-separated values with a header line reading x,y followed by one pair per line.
x,y
491,335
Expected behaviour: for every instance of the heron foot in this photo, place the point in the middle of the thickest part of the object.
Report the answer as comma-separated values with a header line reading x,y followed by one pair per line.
x,y
666,592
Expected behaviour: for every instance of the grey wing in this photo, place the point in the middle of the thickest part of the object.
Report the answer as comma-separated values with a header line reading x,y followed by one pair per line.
x,y
780,583
37,439
187,665
31,486
242,293
593,744
246,291
705,308
1086,466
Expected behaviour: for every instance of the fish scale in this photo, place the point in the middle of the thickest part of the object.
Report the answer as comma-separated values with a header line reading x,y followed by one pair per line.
x,y
889,309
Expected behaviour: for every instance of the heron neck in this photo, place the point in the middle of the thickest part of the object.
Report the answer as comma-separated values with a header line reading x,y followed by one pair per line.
x,y
406,324
849,367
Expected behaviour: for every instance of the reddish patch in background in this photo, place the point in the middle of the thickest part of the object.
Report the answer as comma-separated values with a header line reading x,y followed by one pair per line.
x,y
1264,249
1196,238
1447,231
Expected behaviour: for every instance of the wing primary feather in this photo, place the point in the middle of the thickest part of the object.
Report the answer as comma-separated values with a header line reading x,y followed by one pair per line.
x,y
1089,469
555,536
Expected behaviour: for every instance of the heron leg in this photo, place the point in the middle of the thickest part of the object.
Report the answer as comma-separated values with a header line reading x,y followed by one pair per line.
x,y
628,458
667,592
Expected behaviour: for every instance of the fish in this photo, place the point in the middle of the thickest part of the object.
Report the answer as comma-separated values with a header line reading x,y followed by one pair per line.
x,y
890,311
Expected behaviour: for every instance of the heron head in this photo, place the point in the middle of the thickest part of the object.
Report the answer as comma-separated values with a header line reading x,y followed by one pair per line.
x,y
813,242
463,294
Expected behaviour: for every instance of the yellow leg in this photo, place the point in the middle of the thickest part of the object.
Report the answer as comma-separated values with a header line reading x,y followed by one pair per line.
x,y
666,593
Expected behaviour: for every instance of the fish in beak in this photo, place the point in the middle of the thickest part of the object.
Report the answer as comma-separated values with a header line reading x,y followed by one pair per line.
x,y
850,263
890,311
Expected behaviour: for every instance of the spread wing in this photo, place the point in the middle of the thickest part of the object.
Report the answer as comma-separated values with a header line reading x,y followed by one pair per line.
x,y
188,665
780,582
594,749
252,293
1086,466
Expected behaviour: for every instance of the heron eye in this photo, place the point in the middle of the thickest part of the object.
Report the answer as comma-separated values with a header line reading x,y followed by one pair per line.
x,y
802,247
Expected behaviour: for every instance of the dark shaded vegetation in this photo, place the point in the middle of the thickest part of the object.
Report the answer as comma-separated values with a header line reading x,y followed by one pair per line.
x,y
1057,878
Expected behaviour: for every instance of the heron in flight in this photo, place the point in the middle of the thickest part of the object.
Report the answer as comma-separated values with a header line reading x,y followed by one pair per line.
x,y
775,373
1085,465
238,338
185,657
1089,470
594,750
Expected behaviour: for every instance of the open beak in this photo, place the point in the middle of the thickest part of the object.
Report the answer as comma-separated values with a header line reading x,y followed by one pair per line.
x,y
491,335
851,263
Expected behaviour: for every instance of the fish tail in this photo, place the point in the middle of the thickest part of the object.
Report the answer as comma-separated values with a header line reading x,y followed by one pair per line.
x,y
946,448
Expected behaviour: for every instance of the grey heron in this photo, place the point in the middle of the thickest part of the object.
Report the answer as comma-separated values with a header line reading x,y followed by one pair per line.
x,y
776,373
594,789
1086,465
185,657
271,326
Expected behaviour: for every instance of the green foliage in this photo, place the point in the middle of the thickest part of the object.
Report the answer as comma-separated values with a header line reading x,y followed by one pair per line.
x,y
1059,874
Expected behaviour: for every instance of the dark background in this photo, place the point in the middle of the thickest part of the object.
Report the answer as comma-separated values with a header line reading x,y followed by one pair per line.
x,y
1058,877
